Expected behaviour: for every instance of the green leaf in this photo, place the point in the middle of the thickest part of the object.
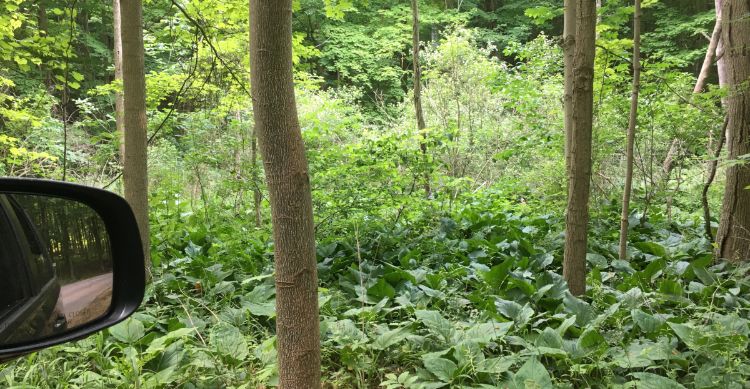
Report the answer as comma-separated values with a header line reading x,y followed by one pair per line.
x,y
532,375
160,343
436,323
381,289
647,322
129,331
597,260
346,332
228,341
486,332
443,369
583,311
652,248
670,287
653,381
591,340
496,365
690,335
390,338
549,338
498,273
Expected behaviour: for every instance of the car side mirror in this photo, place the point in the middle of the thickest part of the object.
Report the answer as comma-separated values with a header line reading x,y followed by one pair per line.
x,y
71,263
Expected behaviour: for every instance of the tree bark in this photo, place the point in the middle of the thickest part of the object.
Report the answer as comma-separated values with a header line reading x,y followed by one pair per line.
x,y
712,165
283,152
579,174
135,171
721,66
733,237
117,53
569,46
709,59
632,122
257,196
418,90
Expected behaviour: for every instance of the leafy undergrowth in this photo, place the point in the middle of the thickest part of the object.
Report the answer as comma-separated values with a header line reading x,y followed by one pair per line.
x,y
473,299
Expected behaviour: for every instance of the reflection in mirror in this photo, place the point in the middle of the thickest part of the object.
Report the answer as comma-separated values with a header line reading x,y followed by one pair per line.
x,y
55,267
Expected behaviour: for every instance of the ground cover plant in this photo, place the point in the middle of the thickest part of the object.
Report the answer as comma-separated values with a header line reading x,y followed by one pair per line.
x,y
440,247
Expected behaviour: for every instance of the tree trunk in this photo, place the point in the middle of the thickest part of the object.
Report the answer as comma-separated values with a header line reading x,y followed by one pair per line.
x,y
569,46
708,60
135,171
117,52
579,174
632,122
418,90
721,66
712,166
257,196
283,153
733,237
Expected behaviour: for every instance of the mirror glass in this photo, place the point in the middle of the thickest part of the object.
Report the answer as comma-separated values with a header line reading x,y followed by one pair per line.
x,y
55,267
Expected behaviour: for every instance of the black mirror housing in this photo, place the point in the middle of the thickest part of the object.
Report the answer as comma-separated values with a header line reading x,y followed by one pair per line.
x,y
129,277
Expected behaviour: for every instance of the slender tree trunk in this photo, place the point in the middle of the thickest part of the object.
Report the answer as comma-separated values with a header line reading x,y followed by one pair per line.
x,y
721,66
579,175
119,113
135,171
709,59
632,122
418,89
733,237
569,46
712,165
283,153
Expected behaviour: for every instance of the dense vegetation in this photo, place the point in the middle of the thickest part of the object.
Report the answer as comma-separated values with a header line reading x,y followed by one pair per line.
x,y
459,287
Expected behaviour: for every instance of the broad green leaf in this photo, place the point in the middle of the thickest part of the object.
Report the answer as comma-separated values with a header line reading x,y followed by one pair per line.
x,y
390,338
160,343
549,338
228,341
381,289
690,335
654,381
496,365
346,332
647,322
499,273
486,332
652,248
443,369
436,323
129,331
532,375
670,287
581,309
515,311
